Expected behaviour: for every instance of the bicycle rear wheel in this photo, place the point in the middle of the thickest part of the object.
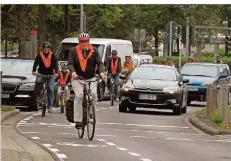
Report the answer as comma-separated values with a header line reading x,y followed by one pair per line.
x,y
43,106
62,105
81,132
91,121
112,95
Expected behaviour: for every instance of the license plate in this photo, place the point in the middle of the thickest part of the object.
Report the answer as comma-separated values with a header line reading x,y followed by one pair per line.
x,y
5,95
147,97
192,89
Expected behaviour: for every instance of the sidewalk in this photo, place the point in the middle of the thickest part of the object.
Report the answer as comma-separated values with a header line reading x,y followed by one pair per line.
x,y
16,147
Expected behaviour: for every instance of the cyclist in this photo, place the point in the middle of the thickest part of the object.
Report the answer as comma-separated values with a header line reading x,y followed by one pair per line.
x,y
114,68
218,59
169,61
64,78
82,61
48,65
128,64
190,60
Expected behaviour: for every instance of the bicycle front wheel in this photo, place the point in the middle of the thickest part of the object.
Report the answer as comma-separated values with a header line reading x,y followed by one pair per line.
x,y
81,132
91,121
112,95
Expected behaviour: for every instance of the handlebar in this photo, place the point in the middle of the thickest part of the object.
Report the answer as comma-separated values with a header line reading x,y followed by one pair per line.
x,y
46,76
81,78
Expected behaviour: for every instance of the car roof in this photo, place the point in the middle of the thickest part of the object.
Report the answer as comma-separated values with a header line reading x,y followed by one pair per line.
x,y
204,63
96,40
157,65
19,59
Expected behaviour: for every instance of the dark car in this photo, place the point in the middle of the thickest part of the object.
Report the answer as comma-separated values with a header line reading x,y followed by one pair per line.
x,y
200,74
18,83
154,86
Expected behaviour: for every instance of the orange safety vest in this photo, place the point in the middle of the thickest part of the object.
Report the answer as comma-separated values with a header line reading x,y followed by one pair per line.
x,y
82,60
128,65
63,80
46,61
114,66
170,63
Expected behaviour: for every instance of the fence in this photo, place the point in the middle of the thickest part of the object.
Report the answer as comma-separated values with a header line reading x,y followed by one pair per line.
x,y
218,98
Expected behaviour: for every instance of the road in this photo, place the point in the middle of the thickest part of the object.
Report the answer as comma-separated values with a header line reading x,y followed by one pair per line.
x,y
142,136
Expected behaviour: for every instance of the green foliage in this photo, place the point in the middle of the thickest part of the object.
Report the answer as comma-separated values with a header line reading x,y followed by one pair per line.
x,y
217,118
7,108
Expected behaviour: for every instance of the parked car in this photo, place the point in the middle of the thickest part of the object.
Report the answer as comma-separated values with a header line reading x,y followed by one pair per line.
x,y
18,83
154,86
200,74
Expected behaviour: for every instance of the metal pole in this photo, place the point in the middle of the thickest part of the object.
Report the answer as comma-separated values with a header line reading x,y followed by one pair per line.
x,y
81,18
170,40
187,39
140,45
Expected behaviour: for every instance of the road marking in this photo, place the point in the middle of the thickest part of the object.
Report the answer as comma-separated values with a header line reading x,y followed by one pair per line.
x,y
179,139
228,141
97,110
80,145
35,138
123,149
109,143
100,139
62,156
66,134
47,145
134,154
108,135
124,130
23,121
147,137
33,133
159,126
53,149
145,159
28,118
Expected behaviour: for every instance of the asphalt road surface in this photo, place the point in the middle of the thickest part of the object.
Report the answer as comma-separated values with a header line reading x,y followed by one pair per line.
x,y
147,135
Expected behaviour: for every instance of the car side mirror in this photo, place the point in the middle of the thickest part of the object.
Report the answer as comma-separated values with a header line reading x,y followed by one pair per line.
x,y
223,76
185,80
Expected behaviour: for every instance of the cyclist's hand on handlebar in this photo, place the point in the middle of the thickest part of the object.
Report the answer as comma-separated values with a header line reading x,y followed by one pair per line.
x,y
34,73
102,75
56,75
74,75
69,84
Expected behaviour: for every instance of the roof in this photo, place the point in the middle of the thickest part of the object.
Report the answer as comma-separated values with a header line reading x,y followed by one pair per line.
x,y
157,65
204,63
13,58
96,40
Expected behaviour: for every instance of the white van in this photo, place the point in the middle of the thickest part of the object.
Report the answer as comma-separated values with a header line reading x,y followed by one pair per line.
x,y
104,46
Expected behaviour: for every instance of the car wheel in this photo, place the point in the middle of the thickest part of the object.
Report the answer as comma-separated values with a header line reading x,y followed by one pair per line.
x,y
35,107
177,111
100,91
122,108
132,109
188,102
184,109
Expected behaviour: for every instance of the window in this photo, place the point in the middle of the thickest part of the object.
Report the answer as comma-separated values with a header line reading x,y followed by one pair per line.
x,y
200,70
108,55
223,70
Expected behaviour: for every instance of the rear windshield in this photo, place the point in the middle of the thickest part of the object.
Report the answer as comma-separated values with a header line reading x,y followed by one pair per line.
x,y
63,51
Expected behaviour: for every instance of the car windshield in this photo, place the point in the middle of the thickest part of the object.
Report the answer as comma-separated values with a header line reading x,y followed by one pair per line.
x,y
65,47
16,67
154,73
135,61
200,70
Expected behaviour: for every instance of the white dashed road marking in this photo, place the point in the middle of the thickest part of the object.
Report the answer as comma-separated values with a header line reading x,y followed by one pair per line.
x,y
179,139
33,133
123,149
228,141
100,139
107,135
109,143
146,137
134,154
54,150
35,138
145,159
61,156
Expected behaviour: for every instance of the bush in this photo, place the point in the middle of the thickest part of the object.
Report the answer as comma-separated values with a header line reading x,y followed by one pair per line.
x,y
217,118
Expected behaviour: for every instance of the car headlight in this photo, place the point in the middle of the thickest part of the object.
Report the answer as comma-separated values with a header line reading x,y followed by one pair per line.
x,y
127,87
27,87
171,89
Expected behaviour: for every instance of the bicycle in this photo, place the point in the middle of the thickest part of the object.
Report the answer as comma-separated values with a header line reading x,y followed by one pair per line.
x,y
44,100
61,99
112,90
88,110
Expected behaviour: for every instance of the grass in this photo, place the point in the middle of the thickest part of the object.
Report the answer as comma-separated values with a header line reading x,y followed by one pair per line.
x,y
7,108
215,121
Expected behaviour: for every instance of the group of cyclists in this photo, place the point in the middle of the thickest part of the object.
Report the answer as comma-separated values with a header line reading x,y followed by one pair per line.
x,y
83,61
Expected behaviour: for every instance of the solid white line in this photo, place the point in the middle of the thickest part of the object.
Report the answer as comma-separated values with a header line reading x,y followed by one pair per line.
x,y
62,156
53,149
109,143
46,145
228,141
179,139
100,139
145,159
33,133
143,125
147,137
23,121
123,149
35,138
134,154
124,130
108,135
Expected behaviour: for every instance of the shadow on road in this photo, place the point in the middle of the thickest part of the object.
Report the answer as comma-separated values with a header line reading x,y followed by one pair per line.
x,y
147,112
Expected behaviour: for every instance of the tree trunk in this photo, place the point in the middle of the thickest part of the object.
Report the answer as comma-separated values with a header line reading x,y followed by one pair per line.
x,y
21,31
66,20
42,31
156,41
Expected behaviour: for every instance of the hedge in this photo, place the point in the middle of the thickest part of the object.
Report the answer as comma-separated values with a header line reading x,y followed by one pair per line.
x,y
175,59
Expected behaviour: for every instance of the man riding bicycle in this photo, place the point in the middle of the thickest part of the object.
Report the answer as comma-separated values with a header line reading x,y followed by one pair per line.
x,y
114,68
48,66
82,61
64,79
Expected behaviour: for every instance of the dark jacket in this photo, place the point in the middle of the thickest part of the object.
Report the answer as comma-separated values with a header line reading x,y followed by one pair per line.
x,y
119,67
64,75
74,65
42,69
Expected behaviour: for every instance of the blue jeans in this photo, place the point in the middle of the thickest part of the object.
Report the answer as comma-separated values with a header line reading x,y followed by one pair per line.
x,y
116,80
50,89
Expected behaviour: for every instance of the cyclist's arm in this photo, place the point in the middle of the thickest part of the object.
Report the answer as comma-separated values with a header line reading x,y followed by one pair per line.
x,y
69,78
99,62
70,61
36,63
55,61
119,66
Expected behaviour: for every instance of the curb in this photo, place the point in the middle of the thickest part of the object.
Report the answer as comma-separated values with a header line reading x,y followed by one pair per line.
x,y
17,129
6,115
205,128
